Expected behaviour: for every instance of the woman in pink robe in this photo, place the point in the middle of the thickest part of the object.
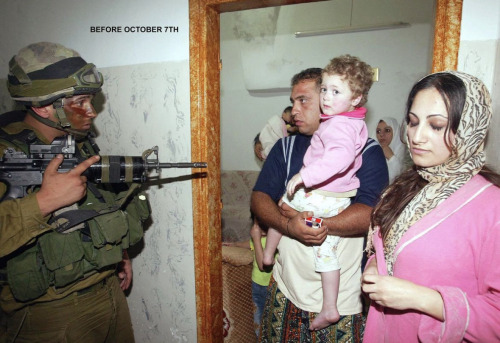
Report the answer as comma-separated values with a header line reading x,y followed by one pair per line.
x,y
435,274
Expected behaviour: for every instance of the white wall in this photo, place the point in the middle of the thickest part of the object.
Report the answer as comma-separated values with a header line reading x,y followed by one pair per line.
x,y
260,54
479,56
146,94
69,23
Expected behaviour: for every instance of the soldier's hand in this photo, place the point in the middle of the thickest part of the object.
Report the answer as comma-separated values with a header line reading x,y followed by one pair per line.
x,y
62,189
125,272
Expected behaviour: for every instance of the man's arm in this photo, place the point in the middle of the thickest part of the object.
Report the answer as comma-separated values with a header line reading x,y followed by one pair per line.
x,y
270,187
268,211
355,219
294,227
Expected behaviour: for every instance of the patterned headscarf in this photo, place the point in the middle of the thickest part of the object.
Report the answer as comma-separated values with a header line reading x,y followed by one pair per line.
x,y
465,161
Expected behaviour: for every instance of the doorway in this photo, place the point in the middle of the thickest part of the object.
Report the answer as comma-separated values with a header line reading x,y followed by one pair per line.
x,y
205,136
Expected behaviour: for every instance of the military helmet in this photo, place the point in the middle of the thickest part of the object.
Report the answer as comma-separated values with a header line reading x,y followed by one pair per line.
x,y
43,72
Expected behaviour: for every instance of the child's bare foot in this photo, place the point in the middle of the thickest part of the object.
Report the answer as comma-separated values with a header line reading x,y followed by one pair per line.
x,y
325,318
267,259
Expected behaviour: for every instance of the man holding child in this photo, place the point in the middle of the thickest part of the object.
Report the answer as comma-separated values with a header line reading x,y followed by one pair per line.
x,y
295,294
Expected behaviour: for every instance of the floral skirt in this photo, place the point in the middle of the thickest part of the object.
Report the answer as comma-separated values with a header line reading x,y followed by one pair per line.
x,y
283,322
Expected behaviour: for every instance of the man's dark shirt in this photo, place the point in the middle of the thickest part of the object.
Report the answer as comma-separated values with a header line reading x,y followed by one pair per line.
x,y
373,174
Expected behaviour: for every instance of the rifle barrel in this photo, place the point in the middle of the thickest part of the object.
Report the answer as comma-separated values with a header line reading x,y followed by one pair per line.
x,y
183,165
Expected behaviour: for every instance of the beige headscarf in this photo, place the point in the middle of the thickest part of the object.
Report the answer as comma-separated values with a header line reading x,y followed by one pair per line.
x,y
466,160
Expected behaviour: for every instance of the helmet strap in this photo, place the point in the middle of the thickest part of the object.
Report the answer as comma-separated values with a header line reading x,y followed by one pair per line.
x,y
79,134
60,114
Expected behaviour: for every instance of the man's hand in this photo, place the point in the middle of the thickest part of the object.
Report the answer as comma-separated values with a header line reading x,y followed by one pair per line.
x,y
292,224
125,272
62,189
287,210
297,229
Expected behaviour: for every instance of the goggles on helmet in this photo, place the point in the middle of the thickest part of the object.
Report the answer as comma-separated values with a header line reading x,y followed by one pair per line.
x,y
87,77
42,88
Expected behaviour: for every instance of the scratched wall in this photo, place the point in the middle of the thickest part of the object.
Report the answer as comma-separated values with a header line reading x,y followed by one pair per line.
x,y
145,102
137,115
142,106
479,55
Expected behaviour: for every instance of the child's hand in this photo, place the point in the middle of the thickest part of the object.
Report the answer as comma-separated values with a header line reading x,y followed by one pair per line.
x,y
292,185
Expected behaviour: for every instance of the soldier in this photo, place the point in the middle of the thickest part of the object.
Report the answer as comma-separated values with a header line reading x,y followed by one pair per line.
x,y
63,287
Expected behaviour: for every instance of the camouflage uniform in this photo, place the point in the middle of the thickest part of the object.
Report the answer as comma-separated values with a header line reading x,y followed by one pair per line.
x,y
90,307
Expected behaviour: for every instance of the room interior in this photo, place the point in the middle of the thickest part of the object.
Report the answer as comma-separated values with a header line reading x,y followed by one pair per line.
x,y
205,127
166,303
260,50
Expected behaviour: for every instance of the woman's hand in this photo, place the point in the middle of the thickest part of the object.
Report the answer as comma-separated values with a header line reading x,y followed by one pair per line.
x,y
389,291
370,268
400,294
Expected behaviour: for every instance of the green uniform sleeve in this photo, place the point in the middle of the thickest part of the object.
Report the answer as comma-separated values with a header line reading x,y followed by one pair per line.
x,y
20,219
20,222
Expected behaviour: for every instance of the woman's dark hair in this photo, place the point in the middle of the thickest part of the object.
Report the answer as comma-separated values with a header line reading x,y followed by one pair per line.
x,y
408,184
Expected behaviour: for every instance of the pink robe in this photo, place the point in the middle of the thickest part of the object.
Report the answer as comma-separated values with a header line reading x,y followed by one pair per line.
x,y
455,250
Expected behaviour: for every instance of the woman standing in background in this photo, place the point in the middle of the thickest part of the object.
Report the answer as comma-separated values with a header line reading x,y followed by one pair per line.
x,y
389,138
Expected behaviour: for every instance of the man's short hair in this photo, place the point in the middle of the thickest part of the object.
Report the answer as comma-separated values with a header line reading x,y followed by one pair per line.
x,y
310,74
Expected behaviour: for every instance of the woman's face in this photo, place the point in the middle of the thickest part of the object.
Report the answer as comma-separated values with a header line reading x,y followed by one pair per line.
x,y
384,134
428,119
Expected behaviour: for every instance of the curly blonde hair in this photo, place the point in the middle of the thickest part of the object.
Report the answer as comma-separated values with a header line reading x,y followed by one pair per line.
x,y
358,74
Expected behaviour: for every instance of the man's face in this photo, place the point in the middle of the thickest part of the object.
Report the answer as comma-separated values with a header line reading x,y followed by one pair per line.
x,y
305,102
79,111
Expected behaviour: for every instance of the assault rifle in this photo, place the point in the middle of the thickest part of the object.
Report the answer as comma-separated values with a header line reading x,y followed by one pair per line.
x,y
22,171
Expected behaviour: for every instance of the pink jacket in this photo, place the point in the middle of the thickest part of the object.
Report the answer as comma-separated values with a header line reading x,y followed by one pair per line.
x,y
455,250
334,156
